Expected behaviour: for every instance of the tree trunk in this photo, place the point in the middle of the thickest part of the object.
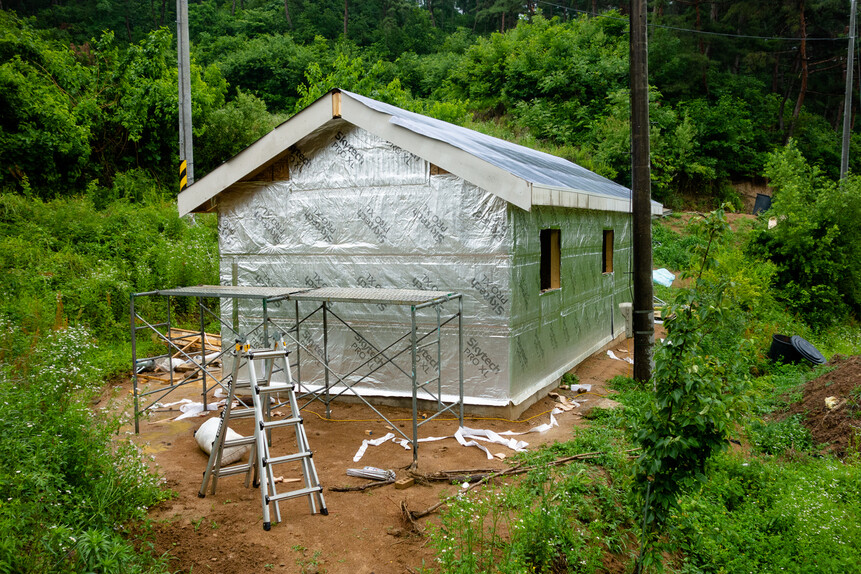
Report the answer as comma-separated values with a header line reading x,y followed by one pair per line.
x,y
775,74
163,8
430,10
838,123
233,9
786,93
287,13
594,6
345,18
804,74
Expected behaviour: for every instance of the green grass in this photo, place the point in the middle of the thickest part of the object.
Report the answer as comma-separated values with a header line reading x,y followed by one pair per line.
x,y
759,514
69,494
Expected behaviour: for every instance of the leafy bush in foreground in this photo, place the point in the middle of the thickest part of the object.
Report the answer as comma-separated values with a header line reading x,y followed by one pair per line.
x,y
67,491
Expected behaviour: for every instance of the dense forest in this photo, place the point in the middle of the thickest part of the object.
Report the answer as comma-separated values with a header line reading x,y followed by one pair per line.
x,y
89,103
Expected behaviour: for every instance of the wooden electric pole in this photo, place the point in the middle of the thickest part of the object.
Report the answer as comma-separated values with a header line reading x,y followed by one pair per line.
x,y
641,208
186,155
847,100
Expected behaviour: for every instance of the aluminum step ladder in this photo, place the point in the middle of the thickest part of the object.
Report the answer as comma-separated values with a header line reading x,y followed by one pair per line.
x,y
260,458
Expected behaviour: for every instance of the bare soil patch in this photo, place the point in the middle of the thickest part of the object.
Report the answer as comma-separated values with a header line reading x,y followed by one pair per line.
x,y
364,531
831,405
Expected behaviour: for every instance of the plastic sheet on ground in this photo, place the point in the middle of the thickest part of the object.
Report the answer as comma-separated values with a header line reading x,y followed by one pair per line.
x,y
189,408
469,437
612,355
663,277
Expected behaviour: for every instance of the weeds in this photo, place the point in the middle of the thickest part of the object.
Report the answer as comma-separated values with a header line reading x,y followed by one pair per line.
x,y
551,520
67,490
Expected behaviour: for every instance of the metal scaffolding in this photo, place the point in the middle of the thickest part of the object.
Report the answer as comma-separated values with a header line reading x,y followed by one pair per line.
x,y
432,307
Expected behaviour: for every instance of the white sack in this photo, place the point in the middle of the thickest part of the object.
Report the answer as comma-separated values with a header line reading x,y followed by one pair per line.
x,y
205,436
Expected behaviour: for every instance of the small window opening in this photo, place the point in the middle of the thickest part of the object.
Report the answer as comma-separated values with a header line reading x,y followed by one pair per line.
x,y
607,252
550,259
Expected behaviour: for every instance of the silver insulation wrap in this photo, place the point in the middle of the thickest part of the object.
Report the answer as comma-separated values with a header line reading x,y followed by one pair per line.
x,y
356,211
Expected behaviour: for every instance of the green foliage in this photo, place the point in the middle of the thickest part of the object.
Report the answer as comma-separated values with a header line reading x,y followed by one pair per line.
x,y
354,74
68,490
699,389
47,115
816,246
67,263
232,128
776,437
549,522
270,67
760,515
671,249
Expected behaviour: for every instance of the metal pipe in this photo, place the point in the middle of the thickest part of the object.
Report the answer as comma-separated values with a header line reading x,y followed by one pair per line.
x,y
298,356
200,312
169,343
438,357
847,98
326,358
134,362
415,390
460,353
265,324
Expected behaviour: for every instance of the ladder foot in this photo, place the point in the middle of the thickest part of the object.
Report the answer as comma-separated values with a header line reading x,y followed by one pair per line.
x,y
255,483
324,511
201,495
267,526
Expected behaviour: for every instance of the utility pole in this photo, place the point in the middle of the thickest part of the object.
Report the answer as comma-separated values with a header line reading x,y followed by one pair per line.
x,y
847,99
641,208
186,154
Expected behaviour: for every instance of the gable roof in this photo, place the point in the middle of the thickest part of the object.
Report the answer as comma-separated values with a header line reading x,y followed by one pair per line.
x,y
520,175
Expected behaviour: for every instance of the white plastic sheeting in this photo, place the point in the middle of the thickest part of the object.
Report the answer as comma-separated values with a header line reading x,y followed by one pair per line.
x,y
357,211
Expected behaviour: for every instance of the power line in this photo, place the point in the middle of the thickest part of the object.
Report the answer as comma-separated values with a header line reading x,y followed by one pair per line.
x,y
701,32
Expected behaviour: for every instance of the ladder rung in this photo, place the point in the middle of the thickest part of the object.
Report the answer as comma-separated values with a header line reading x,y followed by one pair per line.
x,y
282,423
241,413
236,469
255,354
294,494
287,458
276,388
239,441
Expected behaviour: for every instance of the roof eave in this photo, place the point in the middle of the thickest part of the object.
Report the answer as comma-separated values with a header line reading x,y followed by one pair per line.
x,y
563,197
198,196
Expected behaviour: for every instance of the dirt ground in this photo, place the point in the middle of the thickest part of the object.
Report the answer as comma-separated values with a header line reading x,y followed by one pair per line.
x,y
363,532
831,405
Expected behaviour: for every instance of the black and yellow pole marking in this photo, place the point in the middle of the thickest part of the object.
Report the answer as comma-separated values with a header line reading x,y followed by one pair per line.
x,y
183,175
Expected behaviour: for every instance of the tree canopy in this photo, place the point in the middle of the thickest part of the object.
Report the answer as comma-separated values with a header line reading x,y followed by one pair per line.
x,y
89,87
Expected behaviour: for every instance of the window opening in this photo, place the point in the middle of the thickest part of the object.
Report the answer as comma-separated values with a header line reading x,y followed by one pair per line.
x,y
607,252
550,259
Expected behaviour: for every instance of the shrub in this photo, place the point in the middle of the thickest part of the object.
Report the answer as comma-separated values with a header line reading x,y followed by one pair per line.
x,y
68,490
816,245
759,515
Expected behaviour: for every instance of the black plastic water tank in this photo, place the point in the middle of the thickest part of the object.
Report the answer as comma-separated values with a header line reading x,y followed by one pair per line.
x,y
782,350
794,349
807,350
762,203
